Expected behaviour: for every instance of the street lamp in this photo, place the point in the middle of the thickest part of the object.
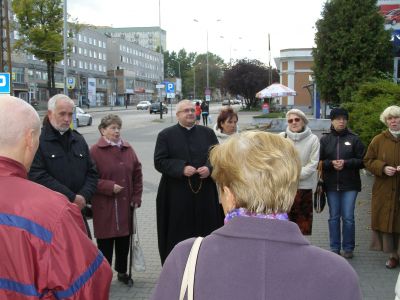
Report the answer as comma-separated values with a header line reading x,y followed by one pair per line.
x,y
207,63
230,48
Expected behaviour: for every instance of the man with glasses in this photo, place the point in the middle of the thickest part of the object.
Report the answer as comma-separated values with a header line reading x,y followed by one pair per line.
x,y
187,199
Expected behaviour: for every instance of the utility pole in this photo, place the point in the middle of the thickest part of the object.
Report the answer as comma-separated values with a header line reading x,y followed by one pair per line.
x,y
5,47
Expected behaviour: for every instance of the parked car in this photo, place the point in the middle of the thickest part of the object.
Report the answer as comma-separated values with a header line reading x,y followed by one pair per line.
x,y
231,102
155,108
83,118
143,105
393,16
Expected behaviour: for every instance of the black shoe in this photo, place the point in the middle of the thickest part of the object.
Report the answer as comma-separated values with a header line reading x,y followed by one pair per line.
x,y
125,278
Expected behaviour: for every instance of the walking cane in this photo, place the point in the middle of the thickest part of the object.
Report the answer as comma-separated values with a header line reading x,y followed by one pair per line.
x,y
130,282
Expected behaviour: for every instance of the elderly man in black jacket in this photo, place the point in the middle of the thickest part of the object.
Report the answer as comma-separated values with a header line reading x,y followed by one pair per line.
x,y
62,162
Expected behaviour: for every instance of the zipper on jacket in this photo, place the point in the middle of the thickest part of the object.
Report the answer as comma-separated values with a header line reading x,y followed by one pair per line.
x,y
337,157
116,213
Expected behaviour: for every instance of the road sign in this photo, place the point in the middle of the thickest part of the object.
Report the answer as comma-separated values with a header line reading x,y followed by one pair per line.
x,y
160,86
5,86
70,83
170,88
170,95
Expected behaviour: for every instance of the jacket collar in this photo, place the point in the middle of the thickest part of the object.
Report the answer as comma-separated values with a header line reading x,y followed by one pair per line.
x,y
102,143
298,136
265,229
11,168
51,134
387,134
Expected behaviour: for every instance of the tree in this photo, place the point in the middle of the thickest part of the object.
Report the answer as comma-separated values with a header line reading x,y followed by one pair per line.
x,y
246,78
40,26
352,46
367,104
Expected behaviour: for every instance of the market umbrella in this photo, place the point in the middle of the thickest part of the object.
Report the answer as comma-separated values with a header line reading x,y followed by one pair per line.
x,y
276,90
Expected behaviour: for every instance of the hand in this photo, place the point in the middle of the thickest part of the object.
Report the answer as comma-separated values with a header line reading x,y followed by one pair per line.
x,y
80,201
204,172
338,164
117,188
389,171
189,171
398,169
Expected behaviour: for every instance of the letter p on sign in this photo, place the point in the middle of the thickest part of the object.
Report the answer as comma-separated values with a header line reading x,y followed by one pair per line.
x,y
5,83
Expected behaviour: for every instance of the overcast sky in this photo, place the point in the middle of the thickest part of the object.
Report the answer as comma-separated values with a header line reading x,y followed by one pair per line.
x,y
244,25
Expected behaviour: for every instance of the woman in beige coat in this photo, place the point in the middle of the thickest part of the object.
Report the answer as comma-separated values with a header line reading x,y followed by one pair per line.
x,y
383,160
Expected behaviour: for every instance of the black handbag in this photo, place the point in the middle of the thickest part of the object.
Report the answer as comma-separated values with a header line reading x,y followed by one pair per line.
x,y
319,196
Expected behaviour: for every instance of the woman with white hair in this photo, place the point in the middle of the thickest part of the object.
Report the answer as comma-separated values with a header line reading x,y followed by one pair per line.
x,y
258,253
307,145
383,160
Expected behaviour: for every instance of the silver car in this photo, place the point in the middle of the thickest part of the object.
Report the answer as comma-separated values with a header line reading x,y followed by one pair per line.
x,y
83,118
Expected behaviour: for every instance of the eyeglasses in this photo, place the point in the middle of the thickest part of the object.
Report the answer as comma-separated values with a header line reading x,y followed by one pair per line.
x,y
290,121
188,110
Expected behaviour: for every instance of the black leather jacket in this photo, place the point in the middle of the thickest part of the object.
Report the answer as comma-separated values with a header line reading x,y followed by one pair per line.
x,y
347,146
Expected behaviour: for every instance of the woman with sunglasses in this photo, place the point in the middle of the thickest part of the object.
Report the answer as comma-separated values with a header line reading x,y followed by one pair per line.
x,y
307,145
342,158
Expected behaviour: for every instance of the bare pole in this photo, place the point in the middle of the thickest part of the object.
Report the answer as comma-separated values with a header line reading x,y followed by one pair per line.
x,y
269,60
65,47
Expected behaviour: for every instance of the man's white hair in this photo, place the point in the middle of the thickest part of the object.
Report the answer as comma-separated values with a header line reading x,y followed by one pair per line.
x,y
51,104
17,116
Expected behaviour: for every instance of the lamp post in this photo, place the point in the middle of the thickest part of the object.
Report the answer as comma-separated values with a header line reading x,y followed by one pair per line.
x,y
65,47
207,62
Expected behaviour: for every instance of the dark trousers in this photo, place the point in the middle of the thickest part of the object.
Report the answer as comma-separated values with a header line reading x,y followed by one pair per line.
x,y
205,119
106,246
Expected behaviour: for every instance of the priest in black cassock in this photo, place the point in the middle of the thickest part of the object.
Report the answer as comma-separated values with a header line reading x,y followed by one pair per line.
x,y
187,198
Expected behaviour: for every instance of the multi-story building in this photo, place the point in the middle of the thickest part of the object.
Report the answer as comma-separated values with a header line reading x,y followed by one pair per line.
x,y
148,37
295,72
101,70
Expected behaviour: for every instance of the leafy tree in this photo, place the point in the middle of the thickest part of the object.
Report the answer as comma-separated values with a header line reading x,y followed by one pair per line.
x,y
352,46
40,25
367,104
246,78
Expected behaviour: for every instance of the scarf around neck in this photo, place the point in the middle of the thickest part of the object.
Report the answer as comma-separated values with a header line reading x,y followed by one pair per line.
x,y
242,212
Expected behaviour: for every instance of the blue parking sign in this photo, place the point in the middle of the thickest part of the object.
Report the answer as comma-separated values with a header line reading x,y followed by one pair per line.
x,y
170,87
5,87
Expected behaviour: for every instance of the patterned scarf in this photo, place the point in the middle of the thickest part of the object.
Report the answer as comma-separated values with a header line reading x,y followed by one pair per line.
x,y
242,212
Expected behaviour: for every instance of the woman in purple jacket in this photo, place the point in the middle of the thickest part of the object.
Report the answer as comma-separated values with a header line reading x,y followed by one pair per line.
x,y
258,253
119,191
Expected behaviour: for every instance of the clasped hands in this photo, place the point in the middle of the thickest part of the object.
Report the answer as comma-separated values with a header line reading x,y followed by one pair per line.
x,y
338,164
390,171
204,172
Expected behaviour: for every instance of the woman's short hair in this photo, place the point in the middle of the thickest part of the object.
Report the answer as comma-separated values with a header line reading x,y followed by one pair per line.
x,y
391,111
108,120
260,168
226,114
299,113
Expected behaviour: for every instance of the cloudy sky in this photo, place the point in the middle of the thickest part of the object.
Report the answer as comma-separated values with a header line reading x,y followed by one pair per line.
x,y
236,29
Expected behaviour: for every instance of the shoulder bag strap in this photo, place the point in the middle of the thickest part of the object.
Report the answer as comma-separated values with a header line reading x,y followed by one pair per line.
x,y
320,169
190,269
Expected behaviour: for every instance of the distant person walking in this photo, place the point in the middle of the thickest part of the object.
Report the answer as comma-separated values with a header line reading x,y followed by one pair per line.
x,y
205,110
197,112
383,160
307,145
342,155
45,252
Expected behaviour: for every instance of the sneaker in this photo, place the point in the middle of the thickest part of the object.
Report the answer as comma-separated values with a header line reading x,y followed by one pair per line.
x,y
336,252
348,254
124,278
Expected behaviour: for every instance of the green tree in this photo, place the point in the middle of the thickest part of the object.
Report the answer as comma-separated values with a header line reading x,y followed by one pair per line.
x,y
352,46
367,104
246,78
40,26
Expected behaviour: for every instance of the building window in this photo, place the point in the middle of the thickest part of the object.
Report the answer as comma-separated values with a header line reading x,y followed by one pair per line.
x,y
80,50
84,39
80,64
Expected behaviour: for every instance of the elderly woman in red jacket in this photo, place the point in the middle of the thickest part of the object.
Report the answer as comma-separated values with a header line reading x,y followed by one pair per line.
x,y
119,191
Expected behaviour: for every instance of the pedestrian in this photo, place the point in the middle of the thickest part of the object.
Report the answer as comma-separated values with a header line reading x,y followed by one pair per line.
x,y
383,161
198,112
258,253
187,198
307,145
45,252
342,154
62,162
119,192
226,124
204,112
